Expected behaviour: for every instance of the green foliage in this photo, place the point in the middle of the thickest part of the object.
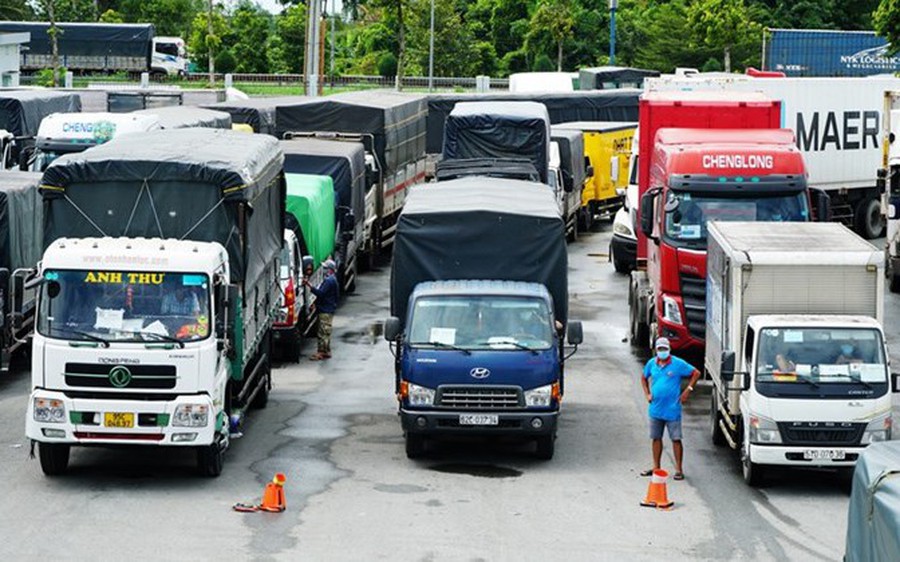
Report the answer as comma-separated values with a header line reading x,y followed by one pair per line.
x,y
712,65
200,42
387,65
543,64
724,25
44,77
887,22
552,19
112,16
170,17
249,38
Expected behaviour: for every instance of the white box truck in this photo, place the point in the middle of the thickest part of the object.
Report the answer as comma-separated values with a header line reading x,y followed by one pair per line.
x,y
794,344
838,123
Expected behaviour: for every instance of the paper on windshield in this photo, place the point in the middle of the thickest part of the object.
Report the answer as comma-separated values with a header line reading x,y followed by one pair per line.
x,y
156,327
133,324
793,336
445,336
690,231
109,319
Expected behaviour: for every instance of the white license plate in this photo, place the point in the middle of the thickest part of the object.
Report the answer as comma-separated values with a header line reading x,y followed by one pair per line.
x,y
479,419
824,455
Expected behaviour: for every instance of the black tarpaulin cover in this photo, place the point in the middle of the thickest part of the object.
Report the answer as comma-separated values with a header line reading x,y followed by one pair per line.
x,y
21,111
479,228
87,39
259,113
20,220
211,185
873,519
571,155
595,78
499,130
608,105
395,120
184,116
344,161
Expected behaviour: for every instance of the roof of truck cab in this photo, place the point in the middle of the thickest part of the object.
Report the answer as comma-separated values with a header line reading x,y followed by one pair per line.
x,y
813,321
509,110
482,194
134,254
706,97
714,137
482,287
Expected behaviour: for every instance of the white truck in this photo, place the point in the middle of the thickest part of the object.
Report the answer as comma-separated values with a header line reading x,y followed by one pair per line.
x,y
156,294
889,175
65,133
837,123
794,344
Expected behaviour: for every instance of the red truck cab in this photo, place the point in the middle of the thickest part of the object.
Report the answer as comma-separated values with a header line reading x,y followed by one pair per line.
x,y
705,156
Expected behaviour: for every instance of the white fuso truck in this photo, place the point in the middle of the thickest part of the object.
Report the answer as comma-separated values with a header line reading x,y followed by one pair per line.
x,y
794,344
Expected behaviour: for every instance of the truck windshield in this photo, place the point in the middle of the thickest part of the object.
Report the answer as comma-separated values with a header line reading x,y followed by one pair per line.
x,y
687,214
815,361
124,306
481,322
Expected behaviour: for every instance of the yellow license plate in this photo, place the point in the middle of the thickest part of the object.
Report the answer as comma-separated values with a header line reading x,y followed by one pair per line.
x,y
118,419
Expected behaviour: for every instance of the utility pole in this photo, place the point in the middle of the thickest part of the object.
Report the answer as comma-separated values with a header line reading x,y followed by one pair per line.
x,y
311,64
333,16
431,52
613,4
209,45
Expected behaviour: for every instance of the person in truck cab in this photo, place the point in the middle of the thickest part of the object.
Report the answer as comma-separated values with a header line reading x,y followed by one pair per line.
x,y
327,294
661,382
850,353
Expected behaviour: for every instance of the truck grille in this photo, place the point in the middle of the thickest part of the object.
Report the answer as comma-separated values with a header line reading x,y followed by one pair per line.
x,y
479,397
693,294
90,375
821,433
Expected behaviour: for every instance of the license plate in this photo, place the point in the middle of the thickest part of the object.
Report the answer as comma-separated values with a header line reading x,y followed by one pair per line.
x,y
118,419
479,419
824,455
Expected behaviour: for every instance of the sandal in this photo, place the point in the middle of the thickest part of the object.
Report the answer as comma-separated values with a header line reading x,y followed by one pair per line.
x,y
648,472
678,476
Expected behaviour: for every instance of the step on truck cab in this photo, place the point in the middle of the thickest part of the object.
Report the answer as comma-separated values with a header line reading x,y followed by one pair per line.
x,y
156,294
479,312
795,346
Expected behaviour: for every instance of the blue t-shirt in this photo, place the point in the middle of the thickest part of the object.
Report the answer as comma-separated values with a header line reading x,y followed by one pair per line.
x,y
327,295
665,387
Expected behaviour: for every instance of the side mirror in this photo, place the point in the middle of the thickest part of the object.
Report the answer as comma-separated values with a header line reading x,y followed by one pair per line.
x,y
614,168
588,167
895,382
646,210
726,367
308,266
392,329
821,203
574,333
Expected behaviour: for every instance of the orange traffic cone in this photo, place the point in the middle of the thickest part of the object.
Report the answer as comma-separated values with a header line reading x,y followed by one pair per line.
x,y
273,495
656,492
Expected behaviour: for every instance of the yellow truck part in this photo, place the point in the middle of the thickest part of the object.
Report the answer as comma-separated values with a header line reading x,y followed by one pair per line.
x,y
609,147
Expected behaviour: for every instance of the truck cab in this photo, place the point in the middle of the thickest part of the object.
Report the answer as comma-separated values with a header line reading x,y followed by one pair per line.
x,y
169,56
67,133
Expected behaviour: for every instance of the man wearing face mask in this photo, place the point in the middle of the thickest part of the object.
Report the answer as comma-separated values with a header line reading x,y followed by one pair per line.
x,y
849,354
661,382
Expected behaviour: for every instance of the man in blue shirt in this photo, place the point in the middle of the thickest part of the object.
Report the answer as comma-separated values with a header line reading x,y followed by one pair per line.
x,y
327,294
661,382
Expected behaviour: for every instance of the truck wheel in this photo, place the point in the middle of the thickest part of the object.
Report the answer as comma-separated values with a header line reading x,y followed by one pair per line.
x,y
585,219
638,331
290,350
895,283
621,266
415,446
261,400
754,474
868,219
54,458
545,446
652,333
715,432
572,235
211,459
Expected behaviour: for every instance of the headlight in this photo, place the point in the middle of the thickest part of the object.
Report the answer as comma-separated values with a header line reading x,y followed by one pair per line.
x,y
420,395
764,430
191,415
622,229
671,312
539,397
49,411
878,429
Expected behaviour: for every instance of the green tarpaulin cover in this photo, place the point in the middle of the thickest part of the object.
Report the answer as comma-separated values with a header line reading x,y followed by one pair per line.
x,y
310,199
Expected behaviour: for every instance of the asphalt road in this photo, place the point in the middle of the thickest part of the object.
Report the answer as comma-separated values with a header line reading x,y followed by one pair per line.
x,y
353,495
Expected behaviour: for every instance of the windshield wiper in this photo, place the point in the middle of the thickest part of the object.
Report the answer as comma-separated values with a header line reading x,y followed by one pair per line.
x,y
160,336
86,335
807,379
511,342
443,345
855,377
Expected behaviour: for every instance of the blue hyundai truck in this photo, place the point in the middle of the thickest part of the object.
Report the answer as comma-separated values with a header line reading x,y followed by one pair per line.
x,y
479,312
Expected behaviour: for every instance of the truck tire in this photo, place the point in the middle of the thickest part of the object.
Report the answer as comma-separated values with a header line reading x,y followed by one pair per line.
x,y
868,220
637,327
715,432
544,447
211,459
585,219
621,266
572,234
54,458
261,400
415,446
895,283
290,350
754,474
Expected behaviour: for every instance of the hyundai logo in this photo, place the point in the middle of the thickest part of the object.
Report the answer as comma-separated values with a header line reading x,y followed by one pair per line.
x,y
480,373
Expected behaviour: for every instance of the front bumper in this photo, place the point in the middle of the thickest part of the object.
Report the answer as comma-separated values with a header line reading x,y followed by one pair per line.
x,y
623,250
143,432
447,423
792,455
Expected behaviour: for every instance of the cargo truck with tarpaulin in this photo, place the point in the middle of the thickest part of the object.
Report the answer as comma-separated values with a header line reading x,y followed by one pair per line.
x,y
873,516
184,117
259,113
21,213
158,289
309,240
794,345
391,126
100,47
479,312
21,114
613,77
345,163
569,175
838,123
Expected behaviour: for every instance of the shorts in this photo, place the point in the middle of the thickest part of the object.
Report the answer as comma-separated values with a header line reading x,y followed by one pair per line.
x,y
673,427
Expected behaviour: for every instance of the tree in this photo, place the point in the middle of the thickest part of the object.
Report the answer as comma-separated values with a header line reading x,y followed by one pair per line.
x,y
723,25
16,10
249,37
553,17
455,52
112,16
887,22
198,43
397,9
48,7
169,17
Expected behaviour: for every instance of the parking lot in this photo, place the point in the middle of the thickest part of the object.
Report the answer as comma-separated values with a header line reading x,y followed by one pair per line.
x,y
352,494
